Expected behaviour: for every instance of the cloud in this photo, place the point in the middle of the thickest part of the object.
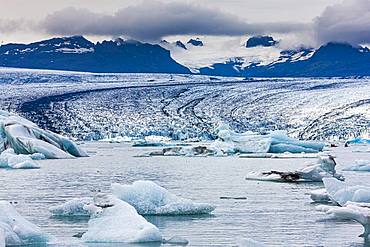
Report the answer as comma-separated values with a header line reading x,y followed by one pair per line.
x,y
348,21
152,20
10,26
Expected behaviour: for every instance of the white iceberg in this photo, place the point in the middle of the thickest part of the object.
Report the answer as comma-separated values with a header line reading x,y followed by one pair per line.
x,y
341,193
120,223
351,211
9,159
74,207
324,167
26,138
16,230
151,199
319,195
360,165
249,142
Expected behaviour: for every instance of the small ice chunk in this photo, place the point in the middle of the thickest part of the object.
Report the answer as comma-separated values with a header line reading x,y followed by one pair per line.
x,y
74,207
324,167
319,195
341,193
8,159
151,199
176,240
16,230
120,224
360,165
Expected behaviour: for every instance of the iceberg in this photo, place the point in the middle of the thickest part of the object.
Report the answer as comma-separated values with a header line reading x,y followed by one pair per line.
x,y
341,193
149,198
324,167
15,230
9,159
351,211
75,207
358,140
183,151
360,165
120,223
26,138
319,195
278,141
152,141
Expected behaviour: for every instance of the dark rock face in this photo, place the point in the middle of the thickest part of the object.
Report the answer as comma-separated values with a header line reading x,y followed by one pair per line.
x,y
265,41
180,44
195,42
78,54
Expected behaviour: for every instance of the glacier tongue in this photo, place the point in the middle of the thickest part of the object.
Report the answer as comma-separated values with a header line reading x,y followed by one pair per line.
x,y
24,137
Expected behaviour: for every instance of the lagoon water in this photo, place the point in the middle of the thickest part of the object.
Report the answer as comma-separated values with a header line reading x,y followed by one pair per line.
x,y
276,214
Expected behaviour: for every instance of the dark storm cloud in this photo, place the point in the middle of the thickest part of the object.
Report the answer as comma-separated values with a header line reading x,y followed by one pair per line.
x,y
345,22
153,20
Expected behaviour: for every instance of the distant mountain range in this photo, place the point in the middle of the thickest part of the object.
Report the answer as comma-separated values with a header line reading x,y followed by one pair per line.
x,y
78,54
127,56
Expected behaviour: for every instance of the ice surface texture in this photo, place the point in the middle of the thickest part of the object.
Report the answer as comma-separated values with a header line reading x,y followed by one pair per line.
x,y
151,199
17,230
341,192
360,165
24,137
120,224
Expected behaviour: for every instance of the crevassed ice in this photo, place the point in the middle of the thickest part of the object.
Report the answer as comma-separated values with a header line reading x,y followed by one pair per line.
x,y
120,224
16,230
151,199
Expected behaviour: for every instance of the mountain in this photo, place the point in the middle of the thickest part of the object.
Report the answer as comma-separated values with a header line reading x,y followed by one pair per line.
x,y
265,41
330,60
78,54
195,42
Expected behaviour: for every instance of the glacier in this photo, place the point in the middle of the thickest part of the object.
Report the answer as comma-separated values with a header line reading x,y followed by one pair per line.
x,y
24,137
324,167
341,193
16,230
148,198
120,223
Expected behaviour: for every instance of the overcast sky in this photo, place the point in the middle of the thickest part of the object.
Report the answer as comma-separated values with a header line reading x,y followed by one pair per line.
x,y
320,20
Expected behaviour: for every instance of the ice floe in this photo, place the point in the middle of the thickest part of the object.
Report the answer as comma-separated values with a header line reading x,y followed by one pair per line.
x,y
324,167
26,138
319,195
360,165
120,223
16,230
341,193
9,159
151,199
74,207
249,142
350,211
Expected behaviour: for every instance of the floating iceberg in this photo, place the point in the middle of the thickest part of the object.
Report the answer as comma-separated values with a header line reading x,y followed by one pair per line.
x,y
120,223
9,159
183,151
74,207
16,230
320,195
152,141
351,211
325,167
26,138
249,142
150,199
342,193
358,140
360,165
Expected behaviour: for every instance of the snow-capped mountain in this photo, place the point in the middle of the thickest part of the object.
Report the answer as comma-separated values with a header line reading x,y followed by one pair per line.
x,y
78,54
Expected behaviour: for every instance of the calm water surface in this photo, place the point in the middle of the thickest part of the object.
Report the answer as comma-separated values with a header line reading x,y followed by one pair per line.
x,y
276,214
